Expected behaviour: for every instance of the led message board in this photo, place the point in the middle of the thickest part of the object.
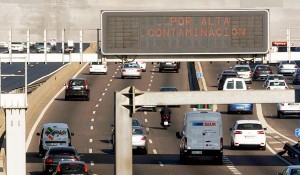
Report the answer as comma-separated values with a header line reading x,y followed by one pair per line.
x,y
184,32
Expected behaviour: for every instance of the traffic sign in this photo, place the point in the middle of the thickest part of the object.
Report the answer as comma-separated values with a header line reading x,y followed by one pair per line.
x,y
297,132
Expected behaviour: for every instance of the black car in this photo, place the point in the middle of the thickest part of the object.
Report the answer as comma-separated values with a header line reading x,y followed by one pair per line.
x,y
77,88
296,79
169,66
225,74
71,167
261,72
56,154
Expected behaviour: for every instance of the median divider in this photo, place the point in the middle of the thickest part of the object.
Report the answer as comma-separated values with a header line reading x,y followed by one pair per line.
x,y
39,98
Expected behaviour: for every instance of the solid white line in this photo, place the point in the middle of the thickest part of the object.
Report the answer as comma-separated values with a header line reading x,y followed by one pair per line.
x,y
91,140
28,141
94,112
146,120
97,105
92,127
154,151
274,142
100,99
108,84
278,149
90,150
150,141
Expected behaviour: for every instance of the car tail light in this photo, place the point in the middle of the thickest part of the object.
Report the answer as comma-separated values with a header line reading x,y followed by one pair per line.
x,y
296,66
123,70
257,71
85,168
75,159
250,73
58,168
49,160
221,143
238,132
67,85
139,70
85,84
260,132
144,138
185,142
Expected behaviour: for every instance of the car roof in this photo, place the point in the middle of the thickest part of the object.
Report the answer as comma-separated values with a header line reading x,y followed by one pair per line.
x,y
260,65
60,125
275,75
247,121
78,79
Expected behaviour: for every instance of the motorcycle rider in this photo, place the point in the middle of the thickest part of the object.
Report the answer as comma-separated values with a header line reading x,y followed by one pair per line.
x,y
165,111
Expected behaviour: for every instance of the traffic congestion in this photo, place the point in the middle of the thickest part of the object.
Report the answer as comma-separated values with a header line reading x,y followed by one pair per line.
x,y
156,148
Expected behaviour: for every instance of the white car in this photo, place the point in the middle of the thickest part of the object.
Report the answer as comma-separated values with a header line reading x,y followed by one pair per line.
x,y
142,65
244,71
273,77
131,69
98,67
284,109
248,133
287,67
276,85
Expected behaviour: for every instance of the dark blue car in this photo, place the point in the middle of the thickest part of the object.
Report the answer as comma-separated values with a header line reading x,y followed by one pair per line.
x,y
240,108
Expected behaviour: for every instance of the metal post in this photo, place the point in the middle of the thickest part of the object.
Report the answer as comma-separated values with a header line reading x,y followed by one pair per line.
x,y
288,38
45,45
63,45
28,45
9,45
97,44
123,134
81,46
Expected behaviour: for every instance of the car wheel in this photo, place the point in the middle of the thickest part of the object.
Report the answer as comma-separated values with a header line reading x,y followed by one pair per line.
x,y
279,114
183,159
145,151
122,77
263,148
219,160
160,70
232,146
66,98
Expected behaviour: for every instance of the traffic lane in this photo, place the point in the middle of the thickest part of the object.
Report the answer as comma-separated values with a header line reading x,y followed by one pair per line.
x,y
247,161
34,72
75,113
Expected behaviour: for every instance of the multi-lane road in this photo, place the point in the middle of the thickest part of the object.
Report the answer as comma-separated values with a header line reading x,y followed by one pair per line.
x,y
91,120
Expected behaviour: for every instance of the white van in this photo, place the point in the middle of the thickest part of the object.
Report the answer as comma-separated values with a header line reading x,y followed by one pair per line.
x,y
202,136
54,134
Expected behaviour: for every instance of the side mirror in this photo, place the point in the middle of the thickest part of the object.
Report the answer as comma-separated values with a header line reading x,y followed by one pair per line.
x,y
178,135
38,134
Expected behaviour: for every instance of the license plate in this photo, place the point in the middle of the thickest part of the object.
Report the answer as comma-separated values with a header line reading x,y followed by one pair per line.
x,y
166,123
196,152
76,88
249,137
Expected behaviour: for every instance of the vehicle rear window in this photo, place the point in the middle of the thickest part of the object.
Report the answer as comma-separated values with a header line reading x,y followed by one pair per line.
x,y
276,78
230,85
137,131
72,168
277,84
242,69
239,85
135,123
70,152
131,65
263,68
96,63
76,82
249,126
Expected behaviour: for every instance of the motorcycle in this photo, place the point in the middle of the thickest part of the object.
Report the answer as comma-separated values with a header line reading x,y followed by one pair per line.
x,y
165,121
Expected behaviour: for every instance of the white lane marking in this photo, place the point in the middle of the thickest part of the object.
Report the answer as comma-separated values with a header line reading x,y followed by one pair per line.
x,y
148,89
151,80
160,163
94,112
92,127
146,120
105,89
91,140
152,73
90,150
19,71
151,76
110,80
113,76
274,142
154,151
149,84
97,105
147,128
100,99
103,94
92,163
115,72
29,138
108,84
278,149
150,141
145,112
92,119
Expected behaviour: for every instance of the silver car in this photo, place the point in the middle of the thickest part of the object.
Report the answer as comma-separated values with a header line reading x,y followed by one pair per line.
x,y
244,71
139,139
131,70
287,67
290,170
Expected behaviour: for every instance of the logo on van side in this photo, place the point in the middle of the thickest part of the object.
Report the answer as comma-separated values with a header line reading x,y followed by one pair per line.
x,y
50,133
210,124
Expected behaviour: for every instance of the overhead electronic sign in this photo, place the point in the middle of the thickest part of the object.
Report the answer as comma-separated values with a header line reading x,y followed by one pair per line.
x,y
184,32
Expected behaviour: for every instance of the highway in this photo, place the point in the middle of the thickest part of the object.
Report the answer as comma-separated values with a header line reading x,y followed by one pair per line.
x,y
91,120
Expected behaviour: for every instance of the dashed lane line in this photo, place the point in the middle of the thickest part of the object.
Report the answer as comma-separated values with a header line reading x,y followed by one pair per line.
x,y
150,141
92,119
97,105
154,151
91,140
90,150
146,120
92,127
100,99
94,112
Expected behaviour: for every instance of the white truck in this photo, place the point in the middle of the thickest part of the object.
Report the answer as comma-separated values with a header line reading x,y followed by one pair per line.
x,y
202,136
69,47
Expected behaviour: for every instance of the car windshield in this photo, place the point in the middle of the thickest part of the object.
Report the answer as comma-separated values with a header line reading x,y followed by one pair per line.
x,y
249,126
242,69
168,89
287,62
72,168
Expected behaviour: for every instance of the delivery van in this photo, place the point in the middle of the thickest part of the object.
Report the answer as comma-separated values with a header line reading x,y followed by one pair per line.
x,y
54,134
202,137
